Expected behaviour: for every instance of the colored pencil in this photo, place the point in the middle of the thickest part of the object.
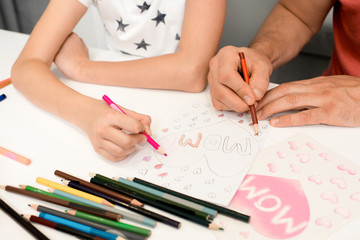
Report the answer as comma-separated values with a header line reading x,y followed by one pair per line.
x,y
149,139
160,205
220,209
21,221
5,82
116,195
126,215
246,78
78,226
167,202
99,226
14,156
61,202
75,192
165,195
139,210
120,225
2,97
61,227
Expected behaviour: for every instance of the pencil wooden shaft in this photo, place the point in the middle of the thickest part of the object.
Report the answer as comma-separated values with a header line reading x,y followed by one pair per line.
x,y
121,197
99,226
46,198
139,210
20,220
164,207
5,82
220,209
64,228
138,193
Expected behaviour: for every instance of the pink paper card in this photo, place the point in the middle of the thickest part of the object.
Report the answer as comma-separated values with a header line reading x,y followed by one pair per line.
x,y
297,189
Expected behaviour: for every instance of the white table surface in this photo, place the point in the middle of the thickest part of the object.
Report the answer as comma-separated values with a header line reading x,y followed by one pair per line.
x,y
53,143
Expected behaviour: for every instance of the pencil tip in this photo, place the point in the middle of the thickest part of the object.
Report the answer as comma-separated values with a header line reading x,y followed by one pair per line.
x,y
256,128
161,150
92,174
221,229
2,187
22,186
65,182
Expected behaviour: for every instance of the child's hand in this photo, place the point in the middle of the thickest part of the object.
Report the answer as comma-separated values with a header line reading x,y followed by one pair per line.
x,y
71,56
114,134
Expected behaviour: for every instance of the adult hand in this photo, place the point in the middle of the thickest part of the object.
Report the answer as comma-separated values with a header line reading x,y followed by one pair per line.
x,y
113,134
71,56
227,88
332,100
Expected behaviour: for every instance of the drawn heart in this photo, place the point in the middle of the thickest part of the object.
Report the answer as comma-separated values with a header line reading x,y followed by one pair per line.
x,y
326,156
221,115
197,171
195,105
339,182
244,234
162,174
294,145
165,130
295,168
330,196
355,197
194,119
312,146
177,127
158,166
347,168
228,189
240,115
187,187
147,158
273,167
207,120
179,179
191,124
166,185
185,168
323,222
204,113
251,124
212,195
143,171
241,121
344,212
315,179
210,181
304,158
281,155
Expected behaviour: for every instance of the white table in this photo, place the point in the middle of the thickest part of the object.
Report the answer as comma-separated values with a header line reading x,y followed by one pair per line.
x,y
53,143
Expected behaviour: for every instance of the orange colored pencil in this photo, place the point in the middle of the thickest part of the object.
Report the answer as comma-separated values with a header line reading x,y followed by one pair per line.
x,y
246,78
14,156
5,82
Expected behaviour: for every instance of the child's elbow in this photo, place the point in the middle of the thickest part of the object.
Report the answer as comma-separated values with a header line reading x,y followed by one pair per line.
x,y
195,78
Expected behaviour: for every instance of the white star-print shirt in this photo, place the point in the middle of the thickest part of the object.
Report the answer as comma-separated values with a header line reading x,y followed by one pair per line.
x,y
141,28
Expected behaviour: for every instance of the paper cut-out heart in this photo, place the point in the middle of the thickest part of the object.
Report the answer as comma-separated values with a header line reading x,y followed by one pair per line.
x,y
158,166
330,196
323,222
344,212
355,197
347,168
303,158
315,179
339,182
294,145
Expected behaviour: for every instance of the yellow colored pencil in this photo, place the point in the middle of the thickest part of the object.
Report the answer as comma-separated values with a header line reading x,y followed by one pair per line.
x,y
73,191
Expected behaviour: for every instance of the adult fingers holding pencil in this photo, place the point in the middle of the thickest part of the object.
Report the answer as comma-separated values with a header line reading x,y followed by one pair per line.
x,y
228,89
114,135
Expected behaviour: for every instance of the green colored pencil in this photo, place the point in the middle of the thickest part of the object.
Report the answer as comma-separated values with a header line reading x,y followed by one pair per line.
x,y
188,209
119,225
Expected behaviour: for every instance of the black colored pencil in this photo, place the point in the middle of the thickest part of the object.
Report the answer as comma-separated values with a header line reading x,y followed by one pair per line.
x,y
20,220
62,228
160,205
142,211
220,209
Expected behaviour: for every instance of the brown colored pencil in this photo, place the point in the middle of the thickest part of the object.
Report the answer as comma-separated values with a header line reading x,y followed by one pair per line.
x,y
121,197
246,78
87,209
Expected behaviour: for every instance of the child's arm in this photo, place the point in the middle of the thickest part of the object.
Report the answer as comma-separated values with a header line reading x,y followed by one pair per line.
x,y
32,76
185,70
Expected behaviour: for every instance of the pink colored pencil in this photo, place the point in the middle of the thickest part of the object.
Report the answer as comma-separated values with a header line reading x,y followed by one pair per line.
x,y
15,156
149,139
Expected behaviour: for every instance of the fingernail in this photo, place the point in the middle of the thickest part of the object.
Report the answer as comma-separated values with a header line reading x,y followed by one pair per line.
x,y
247,99
274,121
258,93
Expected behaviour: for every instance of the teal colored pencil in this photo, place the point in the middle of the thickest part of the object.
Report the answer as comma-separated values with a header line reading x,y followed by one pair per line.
x,y
158,193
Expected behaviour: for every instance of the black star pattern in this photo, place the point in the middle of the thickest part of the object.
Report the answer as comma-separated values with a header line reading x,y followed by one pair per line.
x,y
159,18
177,37
144,7
121,25
142,44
